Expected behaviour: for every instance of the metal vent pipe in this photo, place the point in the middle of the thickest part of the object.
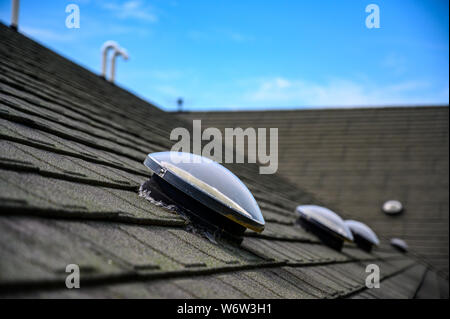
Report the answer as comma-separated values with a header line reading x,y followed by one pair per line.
x,y
15,15
105,49
122,52
117,50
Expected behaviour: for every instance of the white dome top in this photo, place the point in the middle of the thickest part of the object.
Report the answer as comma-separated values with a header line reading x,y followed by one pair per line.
x,y
362,230
209,183
325,218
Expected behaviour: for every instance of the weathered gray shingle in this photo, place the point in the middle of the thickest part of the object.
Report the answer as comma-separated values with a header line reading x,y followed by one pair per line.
x,y
71,165
357,159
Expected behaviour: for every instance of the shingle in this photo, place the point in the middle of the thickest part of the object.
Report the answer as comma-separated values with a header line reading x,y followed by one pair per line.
x,y
429,288
342,279
269,254
39,139
400,286
282,249
272,281
328,283
360,158
14,196
249,286
115,242
73,134
307,287
320,252
317,287
207,247
142,208
20,131
76,153
357,253
173,246
63,165
271,216
282,231
18,269
67,128
69,196
36,244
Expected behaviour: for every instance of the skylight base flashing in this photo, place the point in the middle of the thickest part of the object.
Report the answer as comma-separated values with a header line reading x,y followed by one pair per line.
x,y
200,215
362,243
399,244
325,236
364,237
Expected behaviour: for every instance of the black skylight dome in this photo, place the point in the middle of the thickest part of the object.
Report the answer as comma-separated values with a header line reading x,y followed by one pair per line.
x,y
326,224
399,244
206,189
363,235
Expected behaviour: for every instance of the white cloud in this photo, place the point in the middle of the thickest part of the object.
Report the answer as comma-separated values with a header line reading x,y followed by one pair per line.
x,y
132,9
280,91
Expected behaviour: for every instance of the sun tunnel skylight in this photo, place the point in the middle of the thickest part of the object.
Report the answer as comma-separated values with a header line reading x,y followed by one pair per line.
x,y
363,235
326,224
206,189
399,244
392,207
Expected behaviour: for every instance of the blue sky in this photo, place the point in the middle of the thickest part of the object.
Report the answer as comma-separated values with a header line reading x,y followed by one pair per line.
x,y
264,54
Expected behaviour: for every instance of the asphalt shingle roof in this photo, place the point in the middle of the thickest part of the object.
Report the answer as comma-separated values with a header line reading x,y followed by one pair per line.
x,y
356,159
70,169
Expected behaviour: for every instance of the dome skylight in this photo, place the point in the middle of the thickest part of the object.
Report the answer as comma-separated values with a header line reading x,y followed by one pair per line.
x,y
392,207
363,235
206,189
326,224
399,244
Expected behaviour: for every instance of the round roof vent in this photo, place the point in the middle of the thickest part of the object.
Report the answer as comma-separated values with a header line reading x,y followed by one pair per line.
x,y
206,189
399,244
392,207
326,224
363,235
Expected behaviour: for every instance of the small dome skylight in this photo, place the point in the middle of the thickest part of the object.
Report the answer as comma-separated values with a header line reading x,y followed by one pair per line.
x,y
206,189
326,224
400,244
392,207
363,235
